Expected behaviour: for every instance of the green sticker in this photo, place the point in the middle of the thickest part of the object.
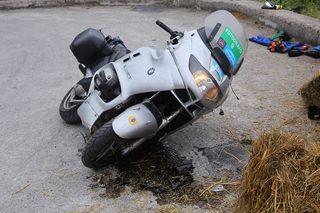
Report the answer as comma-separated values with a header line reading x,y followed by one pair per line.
x,y
232,41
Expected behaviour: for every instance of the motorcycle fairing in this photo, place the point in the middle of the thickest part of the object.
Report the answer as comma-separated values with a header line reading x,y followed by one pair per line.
x,y
224,32
147,70
135,122
192,44
142,71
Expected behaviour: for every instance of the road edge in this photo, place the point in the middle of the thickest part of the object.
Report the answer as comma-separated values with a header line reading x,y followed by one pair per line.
x,y
304,28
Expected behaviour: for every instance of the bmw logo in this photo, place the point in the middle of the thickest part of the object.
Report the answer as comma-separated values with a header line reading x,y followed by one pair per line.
x,y
151,71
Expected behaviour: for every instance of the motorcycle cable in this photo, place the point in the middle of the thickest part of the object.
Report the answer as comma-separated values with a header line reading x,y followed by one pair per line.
x,y
221,112
234,92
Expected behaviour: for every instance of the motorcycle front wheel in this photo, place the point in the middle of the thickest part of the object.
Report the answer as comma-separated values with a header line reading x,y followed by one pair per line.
x,y
103,148
68,108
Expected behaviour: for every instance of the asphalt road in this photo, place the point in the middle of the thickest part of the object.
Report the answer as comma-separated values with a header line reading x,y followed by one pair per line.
x,y
41,170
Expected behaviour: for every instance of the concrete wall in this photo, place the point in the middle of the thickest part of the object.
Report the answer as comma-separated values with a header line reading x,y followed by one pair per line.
x,y
17,4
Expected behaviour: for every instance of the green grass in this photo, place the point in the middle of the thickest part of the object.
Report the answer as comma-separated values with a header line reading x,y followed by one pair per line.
x,y
306,7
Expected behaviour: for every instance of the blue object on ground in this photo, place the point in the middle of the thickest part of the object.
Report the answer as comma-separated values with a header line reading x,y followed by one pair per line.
x,y
293,45
261,40
317,48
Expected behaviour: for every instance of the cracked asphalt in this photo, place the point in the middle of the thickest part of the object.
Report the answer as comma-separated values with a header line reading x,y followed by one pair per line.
x,y
41,170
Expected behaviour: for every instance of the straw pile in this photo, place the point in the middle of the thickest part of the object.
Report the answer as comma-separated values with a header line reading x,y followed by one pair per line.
x,y
310,92
283,175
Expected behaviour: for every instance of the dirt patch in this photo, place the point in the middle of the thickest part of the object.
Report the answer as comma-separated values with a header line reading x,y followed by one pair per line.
x,y
161,170
240,16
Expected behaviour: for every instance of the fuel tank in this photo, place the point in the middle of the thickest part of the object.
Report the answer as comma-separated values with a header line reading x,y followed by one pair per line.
x,y
147,70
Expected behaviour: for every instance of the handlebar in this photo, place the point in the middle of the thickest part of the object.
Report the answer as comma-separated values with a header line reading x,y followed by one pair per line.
x,y
174,35
165,27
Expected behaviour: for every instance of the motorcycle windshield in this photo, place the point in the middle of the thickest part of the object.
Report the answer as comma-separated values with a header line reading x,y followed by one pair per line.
x,y
225,32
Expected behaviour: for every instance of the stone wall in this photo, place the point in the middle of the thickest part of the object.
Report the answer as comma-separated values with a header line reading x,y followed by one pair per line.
x,y
18,4
304,28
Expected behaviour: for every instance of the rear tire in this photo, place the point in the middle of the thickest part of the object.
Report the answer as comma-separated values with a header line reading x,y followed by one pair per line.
x,y
103,148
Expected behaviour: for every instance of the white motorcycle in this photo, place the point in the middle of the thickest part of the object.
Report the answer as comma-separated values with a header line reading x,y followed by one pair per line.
x,y
146,94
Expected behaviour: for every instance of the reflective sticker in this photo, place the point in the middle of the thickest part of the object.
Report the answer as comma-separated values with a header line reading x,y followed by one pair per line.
x,y
233,60
132,120
222,43
231,46
216,70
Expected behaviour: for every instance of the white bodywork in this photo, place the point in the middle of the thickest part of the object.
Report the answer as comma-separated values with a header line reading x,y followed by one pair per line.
x,y
152,70
133,74
134,79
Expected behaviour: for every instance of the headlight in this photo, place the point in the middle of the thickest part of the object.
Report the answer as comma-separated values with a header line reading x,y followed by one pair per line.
x,y
206,85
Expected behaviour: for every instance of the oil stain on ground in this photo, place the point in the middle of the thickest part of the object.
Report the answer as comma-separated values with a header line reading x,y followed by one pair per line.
x,y
227,159
161,170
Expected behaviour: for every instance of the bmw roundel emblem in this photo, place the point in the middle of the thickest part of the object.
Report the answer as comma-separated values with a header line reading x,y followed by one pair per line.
x,y
151,71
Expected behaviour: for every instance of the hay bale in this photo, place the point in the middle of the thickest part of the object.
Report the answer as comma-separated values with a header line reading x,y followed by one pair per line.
x,y
310,92
171,208
283,175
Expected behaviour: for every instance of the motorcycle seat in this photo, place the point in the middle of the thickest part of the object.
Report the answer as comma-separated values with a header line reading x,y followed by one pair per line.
x,y
118,51
90,45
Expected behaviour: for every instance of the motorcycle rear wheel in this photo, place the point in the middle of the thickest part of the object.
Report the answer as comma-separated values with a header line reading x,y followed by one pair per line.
x,y
103,148
68,110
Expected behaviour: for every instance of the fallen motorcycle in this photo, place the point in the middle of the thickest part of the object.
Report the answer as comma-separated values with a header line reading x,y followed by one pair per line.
x,y
127,98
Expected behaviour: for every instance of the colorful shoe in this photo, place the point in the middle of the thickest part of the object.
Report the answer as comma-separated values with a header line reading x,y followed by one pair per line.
x,y
295,53
314,113
269,6
313,53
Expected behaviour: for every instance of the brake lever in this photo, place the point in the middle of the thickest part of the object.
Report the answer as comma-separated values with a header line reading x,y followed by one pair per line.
x,y
175,38
176,34
173,34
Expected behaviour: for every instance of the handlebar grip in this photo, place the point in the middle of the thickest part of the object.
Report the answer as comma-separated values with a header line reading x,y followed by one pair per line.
x,y
165,27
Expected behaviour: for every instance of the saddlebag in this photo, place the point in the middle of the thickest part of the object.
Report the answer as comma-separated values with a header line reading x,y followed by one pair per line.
x,y
89,46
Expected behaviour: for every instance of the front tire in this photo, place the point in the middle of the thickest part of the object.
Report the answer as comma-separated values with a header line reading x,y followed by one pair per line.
x,y
72,101
68,111
102,149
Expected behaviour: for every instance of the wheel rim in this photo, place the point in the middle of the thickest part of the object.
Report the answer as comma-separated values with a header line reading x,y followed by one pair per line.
x,y
70,101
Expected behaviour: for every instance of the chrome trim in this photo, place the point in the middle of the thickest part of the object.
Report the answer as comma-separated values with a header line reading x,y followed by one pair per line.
x,y
184,106
175,61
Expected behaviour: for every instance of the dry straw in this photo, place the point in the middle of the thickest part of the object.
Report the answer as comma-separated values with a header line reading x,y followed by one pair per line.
x,y
310,91
283,175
